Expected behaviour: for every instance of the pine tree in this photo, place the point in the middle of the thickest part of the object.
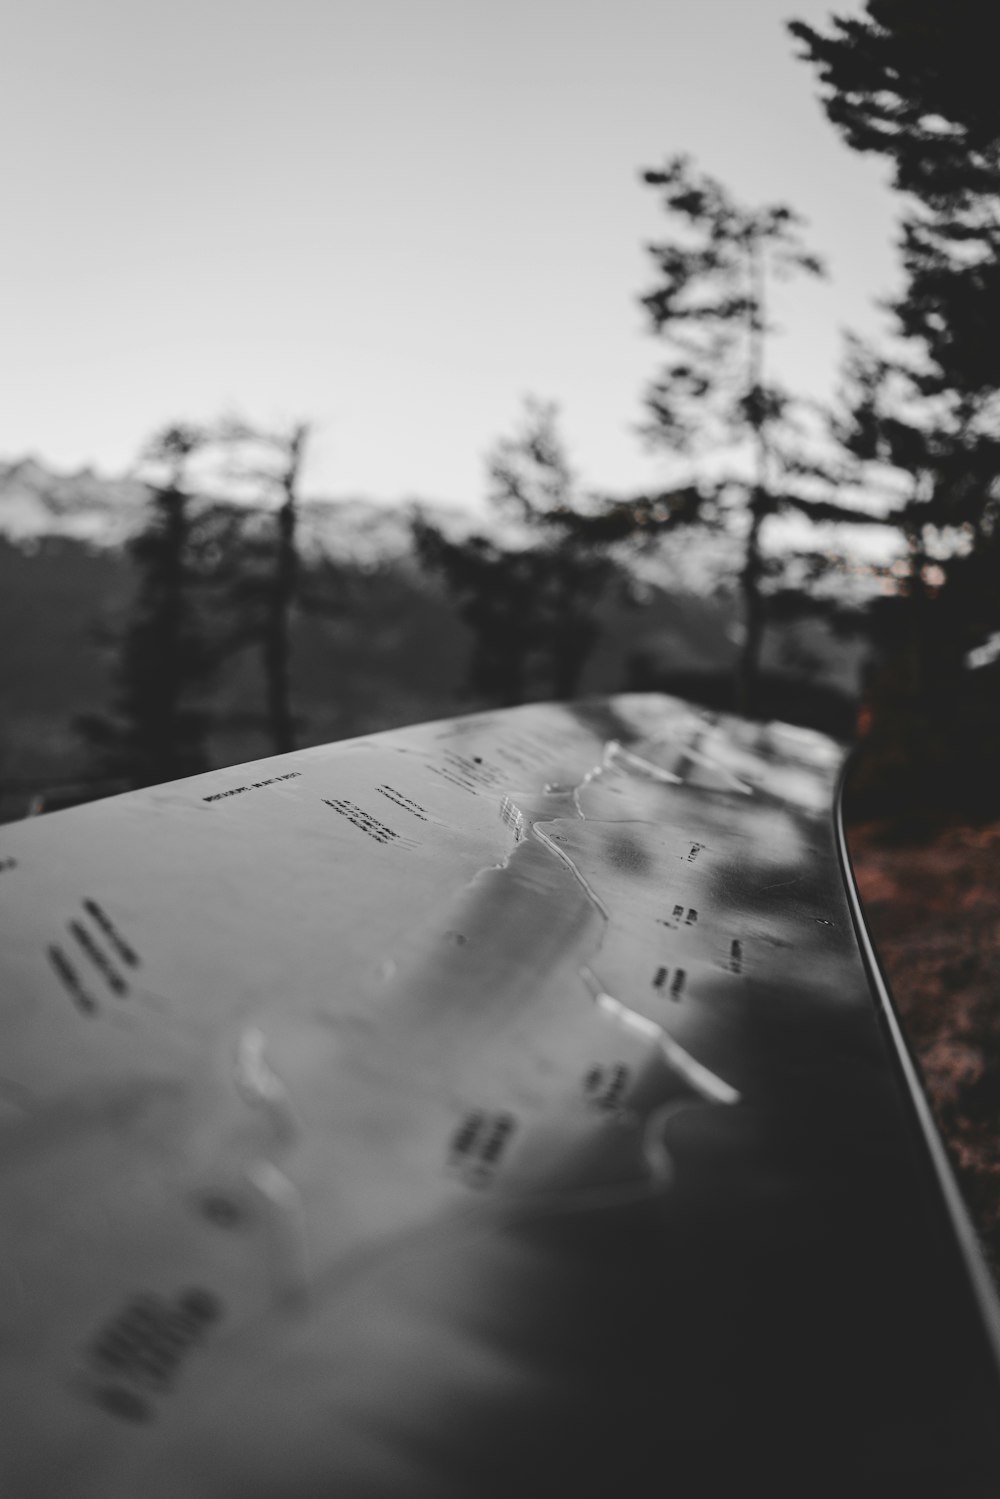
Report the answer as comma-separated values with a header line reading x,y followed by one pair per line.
x,y
158,727
266,581
914,83
714,397
529,592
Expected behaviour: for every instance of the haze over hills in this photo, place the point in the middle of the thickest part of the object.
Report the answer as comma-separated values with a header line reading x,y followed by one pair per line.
x,y
36,501
103,511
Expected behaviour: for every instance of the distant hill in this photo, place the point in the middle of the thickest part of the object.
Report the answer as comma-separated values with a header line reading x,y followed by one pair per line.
x,y
38,503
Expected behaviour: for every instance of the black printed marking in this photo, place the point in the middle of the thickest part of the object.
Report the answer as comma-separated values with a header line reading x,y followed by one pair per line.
x,y
71,980
470,772
219,796
362,819
605,1086
674,918
695,850
479,1142
139,1352
691,917
466,1133
659,978
677,984
497,1139
100,959
403,801
111,932
736,956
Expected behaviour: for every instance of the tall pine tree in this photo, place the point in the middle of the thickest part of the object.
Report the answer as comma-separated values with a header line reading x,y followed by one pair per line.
x,y
266,580
529,591
913,81
157,730
715,398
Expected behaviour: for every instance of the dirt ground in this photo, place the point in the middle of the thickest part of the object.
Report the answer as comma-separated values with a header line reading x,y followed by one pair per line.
x,y
932,900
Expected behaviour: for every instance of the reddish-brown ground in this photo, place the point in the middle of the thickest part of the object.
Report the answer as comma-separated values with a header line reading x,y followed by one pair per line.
x,y
932,900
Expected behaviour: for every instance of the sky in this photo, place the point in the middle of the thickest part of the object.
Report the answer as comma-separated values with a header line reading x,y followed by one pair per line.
x,y
395,219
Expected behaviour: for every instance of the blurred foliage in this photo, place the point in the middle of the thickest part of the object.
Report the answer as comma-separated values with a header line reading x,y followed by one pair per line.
x,y
529,592
158,725
914,83
218,572
264,576
713,396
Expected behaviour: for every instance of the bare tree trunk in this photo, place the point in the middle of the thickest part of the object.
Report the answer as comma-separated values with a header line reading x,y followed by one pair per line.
x,y
748,661
159,661
747,674
175,536
277,632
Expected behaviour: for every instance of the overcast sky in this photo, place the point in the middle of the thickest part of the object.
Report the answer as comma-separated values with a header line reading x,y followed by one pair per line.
x,y
394,218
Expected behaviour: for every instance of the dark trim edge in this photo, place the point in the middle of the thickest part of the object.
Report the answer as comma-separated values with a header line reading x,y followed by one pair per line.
x,y
980,1280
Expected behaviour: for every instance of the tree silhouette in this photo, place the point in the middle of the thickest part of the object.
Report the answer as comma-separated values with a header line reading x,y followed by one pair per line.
x,y
914,83
266,582
714,397
529,592
157,729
